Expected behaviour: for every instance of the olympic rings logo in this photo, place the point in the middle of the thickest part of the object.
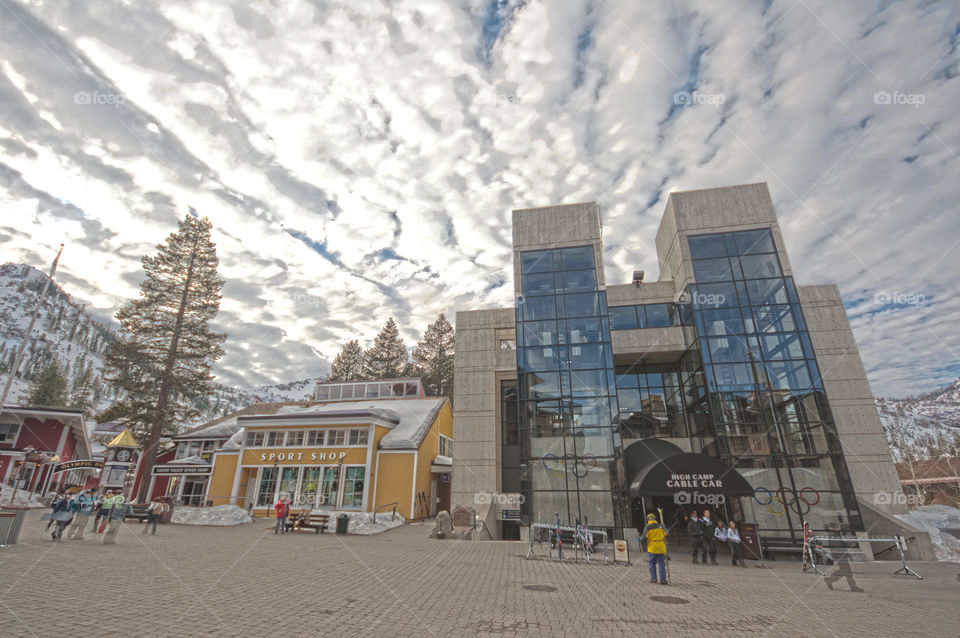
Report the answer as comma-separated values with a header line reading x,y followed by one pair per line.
x,y
800,498
558,467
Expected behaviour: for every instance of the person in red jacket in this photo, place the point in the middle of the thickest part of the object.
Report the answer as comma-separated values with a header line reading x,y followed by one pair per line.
x,y
283,510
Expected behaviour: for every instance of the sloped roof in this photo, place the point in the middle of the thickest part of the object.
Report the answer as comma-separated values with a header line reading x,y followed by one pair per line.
x,y
409,420
225,426
124,439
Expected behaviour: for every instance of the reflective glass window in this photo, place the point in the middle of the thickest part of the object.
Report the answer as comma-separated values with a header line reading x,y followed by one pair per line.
x,y
584,330
722,322
782,346
581,305
752,242
539,333
585,356
627,381
658,315
543,385
536,261
578,281
767,291
623,317
577,258
538,308
724,349
706,246
707,270
785,375
772,319
707,296
540,283
588,383
759,266
539,359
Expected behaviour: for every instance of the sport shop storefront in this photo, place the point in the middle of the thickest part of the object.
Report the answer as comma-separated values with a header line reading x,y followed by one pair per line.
x,y
361,456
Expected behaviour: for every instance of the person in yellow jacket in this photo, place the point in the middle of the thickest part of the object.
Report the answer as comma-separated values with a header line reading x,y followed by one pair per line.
x,y
655,536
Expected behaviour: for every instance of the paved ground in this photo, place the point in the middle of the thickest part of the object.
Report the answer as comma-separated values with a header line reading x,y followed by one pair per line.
x,y
190,581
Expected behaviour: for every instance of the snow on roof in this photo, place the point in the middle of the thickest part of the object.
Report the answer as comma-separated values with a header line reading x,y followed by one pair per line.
x,y
226,426
409,420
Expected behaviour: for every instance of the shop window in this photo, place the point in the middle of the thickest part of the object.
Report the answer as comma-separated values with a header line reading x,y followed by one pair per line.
x,y
254,439
8,431
353,487
309,486
274,439
315,437
358,437
268,485
288,481
295,438
328,488
336,437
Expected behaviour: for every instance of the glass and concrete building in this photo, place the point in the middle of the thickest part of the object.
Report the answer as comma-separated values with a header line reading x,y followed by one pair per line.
x,y
723,383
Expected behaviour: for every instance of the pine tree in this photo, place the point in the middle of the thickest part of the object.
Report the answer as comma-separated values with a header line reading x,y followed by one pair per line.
x,y
433,358
348,364
163,357
49,388
387,357
81,391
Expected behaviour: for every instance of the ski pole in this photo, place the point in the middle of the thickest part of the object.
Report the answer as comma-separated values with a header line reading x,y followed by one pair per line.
x,y
666,555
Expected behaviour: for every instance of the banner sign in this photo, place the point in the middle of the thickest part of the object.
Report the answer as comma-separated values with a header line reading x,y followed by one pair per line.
x,y
168,470
621,553
76,465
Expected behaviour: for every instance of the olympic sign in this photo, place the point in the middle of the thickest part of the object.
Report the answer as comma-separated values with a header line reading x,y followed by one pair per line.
x,y
805,496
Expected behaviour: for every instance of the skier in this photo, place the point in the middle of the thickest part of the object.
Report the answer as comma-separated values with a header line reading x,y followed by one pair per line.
x,y
695,531
84,507
61,516
655,536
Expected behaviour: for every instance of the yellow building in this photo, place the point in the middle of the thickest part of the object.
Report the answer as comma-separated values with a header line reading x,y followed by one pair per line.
x,y
361,455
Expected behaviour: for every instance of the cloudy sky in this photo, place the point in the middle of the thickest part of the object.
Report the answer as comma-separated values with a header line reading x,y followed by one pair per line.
x,y
360,159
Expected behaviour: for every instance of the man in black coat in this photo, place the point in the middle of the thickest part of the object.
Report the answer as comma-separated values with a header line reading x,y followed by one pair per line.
x,y
709,527
695,531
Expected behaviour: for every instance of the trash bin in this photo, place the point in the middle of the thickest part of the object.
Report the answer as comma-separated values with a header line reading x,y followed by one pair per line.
x,y
11,520
343,522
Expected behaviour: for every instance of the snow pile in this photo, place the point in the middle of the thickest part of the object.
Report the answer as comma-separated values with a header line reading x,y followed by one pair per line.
x,y
361,523
22,498
221,515
943,524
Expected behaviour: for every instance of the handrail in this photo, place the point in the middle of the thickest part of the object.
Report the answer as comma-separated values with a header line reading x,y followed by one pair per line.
x,y
384,506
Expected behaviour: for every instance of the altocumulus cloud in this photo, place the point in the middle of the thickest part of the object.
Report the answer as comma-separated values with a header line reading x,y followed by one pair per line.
x,y
360,160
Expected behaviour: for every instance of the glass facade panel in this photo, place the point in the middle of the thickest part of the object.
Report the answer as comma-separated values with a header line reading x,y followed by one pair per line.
x,y
623,317
353,487
268,486
765,409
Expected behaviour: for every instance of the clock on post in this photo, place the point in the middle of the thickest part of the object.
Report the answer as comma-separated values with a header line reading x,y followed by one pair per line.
x,y
121,454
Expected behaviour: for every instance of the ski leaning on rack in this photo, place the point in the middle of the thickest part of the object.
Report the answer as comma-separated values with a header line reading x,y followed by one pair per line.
x,y
666,555
559,540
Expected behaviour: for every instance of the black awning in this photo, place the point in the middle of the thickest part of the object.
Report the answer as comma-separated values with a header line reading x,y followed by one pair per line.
x,y
688,472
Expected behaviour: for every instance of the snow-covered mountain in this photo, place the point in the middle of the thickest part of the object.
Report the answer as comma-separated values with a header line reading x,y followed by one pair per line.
x,y
66,333
925,425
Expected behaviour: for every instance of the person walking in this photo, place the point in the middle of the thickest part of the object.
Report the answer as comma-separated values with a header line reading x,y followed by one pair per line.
x,y
695,531
110,501
84,507
655,536
733,540
156,509
58,497
99,511
118,511
709,536
283,510
61,517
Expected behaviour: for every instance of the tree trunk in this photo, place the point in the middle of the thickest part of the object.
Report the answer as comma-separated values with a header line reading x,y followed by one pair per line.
x,y
156,430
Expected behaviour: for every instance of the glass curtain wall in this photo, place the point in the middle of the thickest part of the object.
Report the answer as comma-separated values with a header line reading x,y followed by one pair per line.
x,y
566,392
768,413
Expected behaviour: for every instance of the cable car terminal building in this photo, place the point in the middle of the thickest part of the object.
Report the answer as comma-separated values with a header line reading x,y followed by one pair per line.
x,y
723,384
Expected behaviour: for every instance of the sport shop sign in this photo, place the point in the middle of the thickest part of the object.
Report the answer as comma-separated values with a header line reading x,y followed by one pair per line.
x,y
694,481
334,456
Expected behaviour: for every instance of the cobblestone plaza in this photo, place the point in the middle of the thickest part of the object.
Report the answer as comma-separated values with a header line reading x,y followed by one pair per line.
x,y
245,581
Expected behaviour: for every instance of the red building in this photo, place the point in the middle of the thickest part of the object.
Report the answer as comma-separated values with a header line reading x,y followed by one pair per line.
x,y
58,434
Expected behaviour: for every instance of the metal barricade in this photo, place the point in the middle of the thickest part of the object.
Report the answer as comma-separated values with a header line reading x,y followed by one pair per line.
x,y
899,542
11,521
537,528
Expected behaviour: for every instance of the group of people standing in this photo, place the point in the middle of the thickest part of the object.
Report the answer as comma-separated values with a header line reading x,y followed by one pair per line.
x,y
108,511
706,535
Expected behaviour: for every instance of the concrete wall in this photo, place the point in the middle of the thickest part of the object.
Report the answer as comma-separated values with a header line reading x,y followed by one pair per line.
x,y
851,400
651,345
476,462
647,292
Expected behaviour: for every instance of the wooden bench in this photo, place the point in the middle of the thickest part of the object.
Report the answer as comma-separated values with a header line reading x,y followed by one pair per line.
x,y
772,547
138,512
317,522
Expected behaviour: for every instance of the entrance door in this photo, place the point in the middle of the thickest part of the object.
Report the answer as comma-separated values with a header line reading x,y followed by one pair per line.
x,y
193,491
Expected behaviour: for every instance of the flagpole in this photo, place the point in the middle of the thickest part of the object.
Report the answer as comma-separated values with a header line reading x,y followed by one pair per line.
x,y
26,338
